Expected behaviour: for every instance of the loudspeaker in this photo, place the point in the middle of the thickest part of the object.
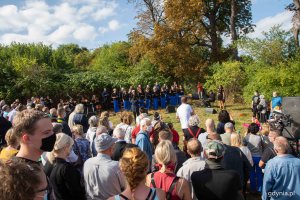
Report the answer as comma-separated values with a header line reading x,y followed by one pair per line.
x,y
170,109
210,110
291,106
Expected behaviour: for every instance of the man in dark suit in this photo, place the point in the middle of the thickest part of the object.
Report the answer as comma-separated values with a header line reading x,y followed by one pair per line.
x,y
120,144
215,182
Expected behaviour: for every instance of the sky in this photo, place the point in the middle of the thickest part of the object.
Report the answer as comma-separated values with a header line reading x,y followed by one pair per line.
x,y
92,23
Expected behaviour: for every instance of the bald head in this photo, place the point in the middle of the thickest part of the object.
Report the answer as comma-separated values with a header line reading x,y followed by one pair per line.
x,y
194,147
210,125
281,145
273,135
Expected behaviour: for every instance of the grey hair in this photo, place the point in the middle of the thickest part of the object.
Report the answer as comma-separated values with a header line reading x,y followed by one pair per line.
x,y
79,108
119,133
93,121
194,120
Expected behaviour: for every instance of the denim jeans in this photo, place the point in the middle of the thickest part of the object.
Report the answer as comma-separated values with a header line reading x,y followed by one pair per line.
x,y
256,177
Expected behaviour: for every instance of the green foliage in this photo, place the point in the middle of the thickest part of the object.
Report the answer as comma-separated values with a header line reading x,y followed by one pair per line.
x,y
271,64
231,75
283,78
145,73
276,46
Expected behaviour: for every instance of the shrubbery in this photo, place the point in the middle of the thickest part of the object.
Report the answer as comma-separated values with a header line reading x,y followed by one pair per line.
x,y
267,65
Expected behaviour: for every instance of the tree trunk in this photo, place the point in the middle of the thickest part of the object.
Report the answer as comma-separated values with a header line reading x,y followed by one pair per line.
x,y
296,22
234,36
214,38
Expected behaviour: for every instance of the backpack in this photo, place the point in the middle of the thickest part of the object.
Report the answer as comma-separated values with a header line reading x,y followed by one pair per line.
x,y
171,188
192,134
260,107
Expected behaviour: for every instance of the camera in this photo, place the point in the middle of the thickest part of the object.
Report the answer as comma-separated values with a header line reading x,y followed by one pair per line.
x,y
280,120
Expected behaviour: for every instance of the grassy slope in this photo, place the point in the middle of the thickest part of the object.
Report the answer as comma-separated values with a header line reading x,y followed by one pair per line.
x,y
240,113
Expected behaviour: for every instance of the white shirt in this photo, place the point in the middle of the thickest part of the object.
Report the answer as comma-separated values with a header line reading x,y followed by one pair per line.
x,y
184,112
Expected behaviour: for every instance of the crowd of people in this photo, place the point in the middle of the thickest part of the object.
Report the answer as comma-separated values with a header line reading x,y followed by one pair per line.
x,y
61,153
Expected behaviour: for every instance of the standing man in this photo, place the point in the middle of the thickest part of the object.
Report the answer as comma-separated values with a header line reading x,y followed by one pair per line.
x,y
193,164
105,99
269,152
226,137
215,182
282,174
142,139
34,131
276,101
200,90
184,112
102,175
255,102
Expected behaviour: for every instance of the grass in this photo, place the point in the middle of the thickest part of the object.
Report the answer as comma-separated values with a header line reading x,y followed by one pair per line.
x,y
240,113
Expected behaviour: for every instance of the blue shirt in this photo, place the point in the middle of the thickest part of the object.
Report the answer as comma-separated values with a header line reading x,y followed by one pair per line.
x,y
282,178
143,142
276,101
83,148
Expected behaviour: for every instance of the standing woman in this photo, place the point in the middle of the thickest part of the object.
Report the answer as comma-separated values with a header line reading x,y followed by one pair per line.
x,y
115,98
221,97
134,165
173,97
156,96
134,104
81,145
165,178
180,93
141,96
126,102
148,96
64,177
254,143
163,100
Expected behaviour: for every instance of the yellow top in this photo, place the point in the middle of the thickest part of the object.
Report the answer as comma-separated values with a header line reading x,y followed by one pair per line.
x,y
7,153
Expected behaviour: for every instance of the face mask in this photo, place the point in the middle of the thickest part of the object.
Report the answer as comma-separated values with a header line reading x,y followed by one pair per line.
x,y
48,143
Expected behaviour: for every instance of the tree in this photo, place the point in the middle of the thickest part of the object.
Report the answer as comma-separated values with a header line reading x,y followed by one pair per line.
x,y
275,47
150,13
231,75
295,7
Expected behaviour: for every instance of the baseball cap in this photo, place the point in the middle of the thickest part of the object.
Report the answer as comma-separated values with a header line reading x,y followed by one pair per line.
x,y
214,149
104,141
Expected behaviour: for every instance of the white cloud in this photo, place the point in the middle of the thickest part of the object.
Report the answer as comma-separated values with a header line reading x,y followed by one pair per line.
x,y
85,32
65,21
284,19
61,34
103,13
113,25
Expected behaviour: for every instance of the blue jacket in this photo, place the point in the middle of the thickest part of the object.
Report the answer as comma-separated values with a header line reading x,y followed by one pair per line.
x,y
282,178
